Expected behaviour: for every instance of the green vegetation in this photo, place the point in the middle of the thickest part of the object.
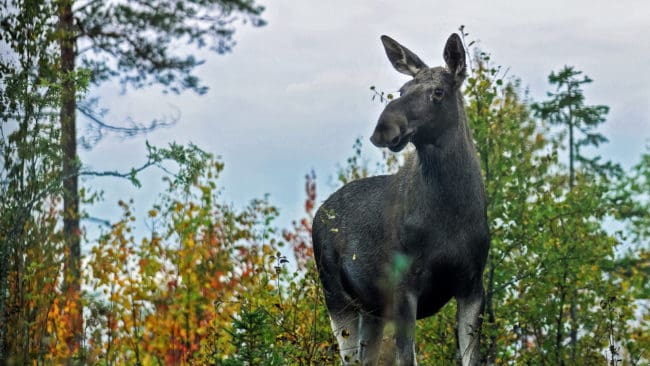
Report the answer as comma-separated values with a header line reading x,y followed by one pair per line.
x,y
211,284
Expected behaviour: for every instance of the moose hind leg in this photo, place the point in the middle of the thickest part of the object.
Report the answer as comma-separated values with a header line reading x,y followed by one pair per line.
x,y
405,330
469,327
371,331
345,325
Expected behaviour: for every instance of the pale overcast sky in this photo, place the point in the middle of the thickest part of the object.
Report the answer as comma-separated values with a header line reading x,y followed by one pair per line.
x,y
293,95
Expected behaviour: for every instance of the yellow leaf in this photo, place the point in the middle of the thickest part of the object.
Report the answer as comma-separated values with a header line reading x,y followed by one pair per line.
x,y
266,249
625,285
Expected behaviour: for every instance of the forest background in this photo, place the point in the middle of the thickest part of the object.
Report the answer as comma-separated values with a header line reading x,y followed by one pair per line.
x,y
120,251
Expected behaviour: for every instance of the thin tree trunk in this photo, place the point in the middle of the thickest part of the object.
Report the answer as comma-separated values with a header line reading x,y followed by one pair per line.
x,y
571,153
573,312
71,232
4,263
559,336
490,358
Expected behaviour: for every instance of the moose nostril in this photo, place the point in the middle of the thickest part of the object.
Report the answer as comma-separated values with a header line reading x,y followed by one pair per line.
x,y
394,141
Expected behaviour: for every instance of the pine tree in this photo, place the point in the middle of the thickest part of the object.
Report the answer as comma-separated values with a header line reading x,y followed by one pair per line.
x,y
566,108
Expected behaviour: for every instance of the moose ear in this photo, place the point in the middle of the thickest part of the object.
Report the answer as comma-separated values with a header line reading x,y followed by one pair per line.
x,y
402,58
454,55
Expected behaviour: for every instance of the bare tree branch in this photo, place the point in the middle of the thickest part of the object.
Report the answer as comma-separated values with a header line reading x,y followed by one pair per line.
x,y
99,127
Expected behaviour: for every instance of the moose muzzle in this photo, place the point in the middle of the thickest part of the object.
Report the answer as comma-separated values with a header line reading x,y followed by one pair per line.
x,y
391,131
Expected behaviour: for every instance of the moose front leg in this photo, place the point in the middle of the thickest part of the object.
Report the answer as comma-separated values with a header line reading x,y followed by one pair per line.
x,y
345,324
405,330
469,327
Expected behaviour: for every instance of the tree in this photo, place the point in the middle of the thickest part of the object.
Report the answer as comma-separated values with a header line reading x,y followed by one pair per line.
x,y
30,176
566,108
131,40
630,196
545,304
207,286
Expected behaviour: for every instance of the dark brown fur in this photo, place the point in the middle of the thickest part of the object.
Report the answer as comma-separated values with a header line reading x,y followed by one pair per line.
x,y
398,247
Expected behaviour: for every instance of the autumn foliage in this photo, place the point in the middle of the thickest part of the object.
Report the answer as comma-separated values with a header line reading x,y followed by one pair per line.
x,y
195,280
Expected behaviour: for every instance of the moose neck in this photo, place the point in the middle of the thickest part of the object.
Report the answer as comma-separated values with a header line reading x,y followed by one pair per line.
x,y
448,164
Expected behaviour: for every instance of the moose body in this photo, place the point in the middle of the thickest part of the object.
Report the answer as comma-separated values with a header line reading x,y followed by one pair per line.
x,y
399,247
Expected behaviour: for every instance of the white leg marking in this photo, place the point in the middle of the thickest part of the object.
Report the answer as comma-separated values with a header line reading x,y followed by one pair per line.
x,y
346,329
469,311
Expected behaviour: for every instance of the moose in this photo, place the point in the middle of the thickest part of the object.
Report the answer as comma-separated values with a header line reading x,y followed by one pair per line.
x,y
396,248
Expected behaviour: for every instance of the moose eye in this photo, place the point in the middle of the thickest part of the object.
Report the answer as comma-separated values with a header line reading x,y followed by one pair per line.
x,y
438,92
